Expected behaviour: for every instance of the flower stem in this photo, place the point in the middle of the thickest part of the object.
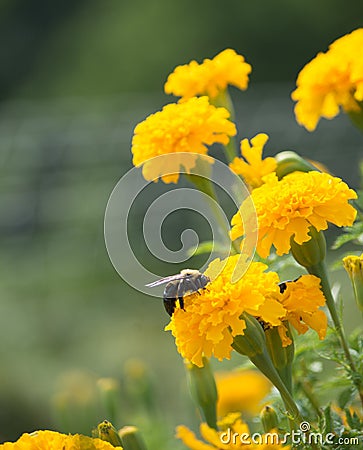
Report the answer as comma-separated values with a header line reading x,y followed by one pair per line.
x,y
264,364
205,185
320,271
224,100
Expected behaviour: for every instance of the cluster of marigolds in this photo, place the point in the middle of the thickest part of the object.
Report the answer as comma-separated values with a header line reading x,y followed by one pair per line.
x,y
255,314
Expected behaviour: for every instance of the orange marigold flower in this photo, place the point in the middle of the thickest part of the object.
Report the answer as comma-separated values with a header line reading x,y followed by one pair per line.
x,y
253,168
51,440
209,78
234,434
302,300
183,131
330,81
286,209
211,318
241,390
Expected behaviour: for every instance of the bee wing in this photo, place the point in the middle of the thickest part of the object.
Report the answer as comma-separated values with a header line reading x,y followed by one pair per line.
x,y
165,280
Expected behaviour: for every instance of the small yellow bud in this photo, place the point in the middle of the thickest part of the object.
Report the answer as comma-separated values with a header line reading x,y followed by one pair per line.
x,y
354,266
107,432
269,419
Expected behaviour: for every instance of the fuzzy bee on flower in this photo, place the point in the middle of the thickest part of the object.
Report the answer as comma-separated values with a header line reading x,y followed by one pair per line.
x,y
187,282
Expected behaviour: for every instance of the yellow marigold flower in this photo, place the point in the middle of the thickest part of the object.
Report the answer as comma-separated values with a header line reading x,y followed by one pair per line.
x,y
302,300
234,434
209,78
286,209
210,319
51,440
241,390
254,168
181,130
331,80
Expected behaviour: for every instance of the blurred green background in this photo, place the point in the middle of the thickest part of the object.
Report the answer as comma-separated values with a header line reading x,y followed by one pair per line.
x,y
75,78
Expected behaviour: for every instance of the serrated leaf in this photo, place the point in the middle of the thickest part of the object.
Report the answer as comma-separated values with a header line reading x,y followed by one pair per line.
x,y
353,420
352,233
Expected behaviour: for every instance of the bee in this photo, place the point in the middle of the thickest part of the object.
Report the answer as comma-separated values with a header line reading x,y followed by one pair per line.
x,y
178,286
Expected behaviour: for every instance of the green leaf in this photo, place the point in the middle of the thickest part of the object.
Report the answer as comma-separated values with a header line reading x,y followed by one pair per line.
x,y
345,397
353,233
353,420
328,420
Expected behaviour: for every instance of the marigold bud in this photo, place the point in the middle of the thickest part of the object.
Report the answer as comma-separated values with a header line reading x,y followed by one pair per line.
x,y
269,418
253,342
282,357
354,266
312,252
289,161
131,438
107,432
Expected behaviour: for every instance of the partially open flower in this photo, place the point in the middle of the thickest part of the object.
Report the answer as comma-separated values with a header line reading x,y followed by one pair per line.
x,y
302,300
253,168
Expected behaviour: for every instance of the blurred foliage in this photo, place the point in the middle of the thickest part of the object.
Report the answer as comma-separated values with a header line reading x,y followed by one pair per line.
x,y
92,47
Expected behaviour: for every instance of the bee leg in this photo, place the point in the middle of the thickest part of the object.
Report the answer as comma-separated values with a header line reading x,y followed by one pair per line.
x,y
169,305
181,291
181,302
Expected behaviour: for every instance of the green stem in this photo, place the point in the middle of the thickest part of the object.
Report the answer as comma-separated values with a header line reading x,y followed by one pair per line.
x,y
230,149
205,185
213,202
224,100
306,388
320,271
264,364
